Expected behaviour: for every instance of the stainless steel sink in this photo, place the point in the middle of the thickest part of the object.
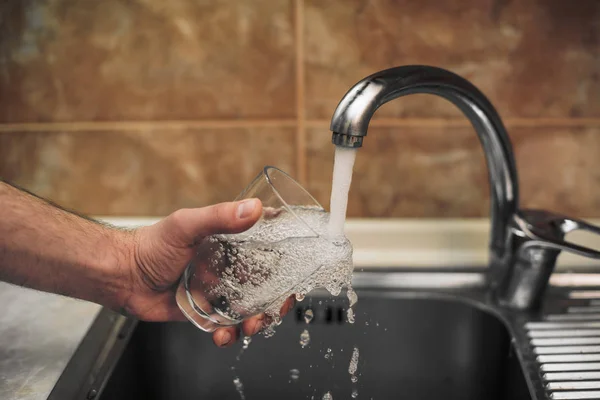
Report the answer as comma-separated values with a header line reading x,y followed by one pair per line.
x,y
420,335
410,348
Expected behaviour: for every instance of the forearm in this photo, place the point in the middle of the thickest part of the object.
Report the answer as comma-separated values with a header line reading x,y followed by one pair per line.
x,y
46,248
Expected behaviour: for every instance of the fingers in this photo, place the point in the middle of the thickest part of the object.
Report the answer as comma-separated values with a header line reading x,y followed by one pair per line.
x,y
187,224
255,324
225,337
290,302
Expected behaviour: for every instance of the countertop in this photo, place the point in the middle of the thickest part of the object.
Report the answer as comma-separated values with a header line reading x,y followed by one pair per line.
x,y
39,332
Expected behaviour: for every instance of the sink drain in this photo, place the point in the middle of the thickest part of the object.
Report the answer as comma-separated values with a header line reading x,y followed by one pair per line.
x,y
323,314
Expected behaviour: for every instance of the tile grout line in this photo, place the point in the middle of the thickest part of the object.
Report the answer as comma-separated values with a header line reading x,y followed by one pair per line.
x,y
301,162
278,123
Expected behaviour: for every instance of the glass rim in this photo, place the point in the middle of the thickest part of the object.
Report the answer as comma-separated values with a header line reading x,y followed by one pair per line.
x,y
266,170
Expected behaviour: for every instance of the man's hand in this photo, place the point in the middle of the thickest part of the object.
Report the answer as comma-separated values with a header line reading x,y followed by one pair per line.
x,y
47,248
161,252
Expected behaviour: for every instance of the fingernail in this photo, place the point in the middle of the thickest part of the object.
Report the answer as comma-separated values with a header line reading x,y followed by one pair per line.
x,y
225,339
246,208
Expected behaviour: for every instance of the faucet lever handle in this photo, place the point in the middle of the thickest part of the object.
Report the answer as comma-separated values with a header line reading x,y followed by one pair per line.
x,y
538,238
548,230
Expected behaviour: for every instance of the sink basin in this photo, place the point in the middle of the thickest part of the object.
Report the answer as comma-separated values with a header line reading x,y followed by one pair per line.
x,y
410,347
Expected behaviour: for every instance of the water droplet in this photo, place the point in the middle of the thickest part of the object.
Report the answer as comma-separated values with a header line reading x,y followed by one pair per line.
x,y
352,297
329,354
239,387
366,323
354,393
304,338
353,362
299,296
269,331
246,342
320,302
377,324
327,396
350,315
308,315
294,374
354,378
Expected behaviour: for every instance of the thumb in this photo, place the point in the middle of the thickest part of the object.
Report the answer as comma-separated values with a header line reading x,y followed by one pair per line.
x,y
187,225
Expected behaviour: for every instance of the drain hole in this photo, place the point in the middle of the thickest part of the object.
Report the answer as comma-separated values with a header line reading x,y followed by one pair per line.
x,y
299,314
328,315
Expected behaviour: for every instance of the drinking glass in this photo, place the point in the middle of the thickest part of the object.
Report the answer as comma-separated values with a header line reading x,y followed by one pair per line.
x,y
235,276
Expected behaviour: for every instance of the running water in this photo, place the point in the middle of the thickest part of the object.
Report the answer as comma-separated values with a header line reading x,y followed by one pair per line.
x,y
343,165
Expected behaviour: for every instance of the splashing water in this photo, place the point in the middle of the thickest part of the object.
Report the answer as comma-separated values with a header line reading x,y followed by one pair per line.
x,y
269,331
354,393
239,387
350,315
277,258
294,374
352,296
328,354
352,299
308,316
327,396
246,342
304,338
353,365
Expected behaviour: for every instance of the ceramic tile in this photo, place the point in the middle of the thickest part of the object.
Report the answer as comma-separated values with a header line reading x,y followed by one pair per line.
x,y
532,58
65,60
441,172
142,172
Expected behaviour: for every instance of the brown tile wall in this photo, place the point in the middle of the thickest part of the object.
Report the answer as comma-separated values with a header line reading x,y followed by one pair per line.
x,y
142,107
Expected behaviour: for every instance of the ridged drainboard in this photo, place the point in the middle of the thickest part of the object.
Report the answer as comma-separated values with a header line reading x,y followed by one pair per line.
x,y
567,348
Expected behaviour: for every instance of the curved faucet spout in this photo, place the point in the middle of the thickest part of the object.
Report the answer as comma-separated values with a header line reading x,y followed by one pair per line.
x,y
351,120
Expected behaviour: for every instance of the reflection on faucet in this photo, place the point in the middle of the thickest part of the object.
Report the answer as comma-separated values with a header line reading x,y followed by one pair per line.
x,y
524,244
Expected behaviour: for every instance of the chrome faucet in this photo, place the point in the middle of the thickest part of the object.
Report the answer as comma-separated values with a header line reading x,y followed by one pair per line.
x,y
524,244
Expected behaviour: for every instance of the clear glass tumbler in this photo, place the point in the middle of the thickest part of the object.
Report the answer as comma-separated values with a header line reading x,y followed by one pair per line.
x,y
235,276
